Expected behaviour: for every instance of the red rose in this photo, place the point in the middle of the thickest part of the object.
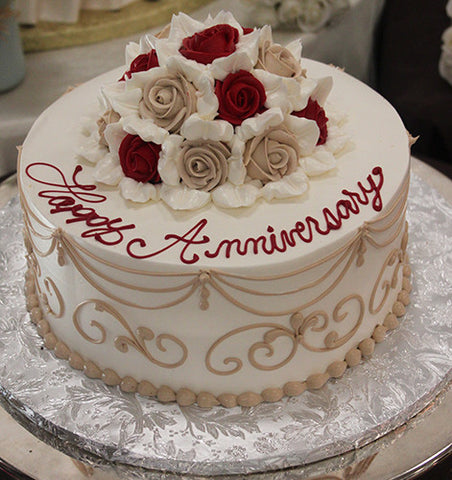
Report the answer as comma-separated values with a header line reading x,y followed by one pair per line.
x,y
313,111
139,159
240,96
143,62
214,42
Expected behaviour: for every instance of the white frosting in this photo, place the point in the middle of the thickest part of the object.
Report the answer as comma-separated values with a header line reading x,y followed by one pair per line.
x,y
283,96
379,139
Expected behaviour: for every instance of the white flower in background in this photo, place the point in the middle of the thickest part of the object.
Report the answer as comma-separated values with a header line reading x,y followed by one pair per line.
x,y
445,61
307,15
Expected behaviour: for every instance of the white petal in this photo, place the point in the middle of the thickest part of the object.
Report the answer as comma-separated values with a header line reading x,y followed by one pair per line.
x,y
337,140
114,134
137,191
291,185
132,51
140,79
147,43
183,26
275,90
306,131
237,171
251,127
322,90
321,161
236,196
207,103
224,16
108,171
123,101
183,198
167,165
145,128
221,67
295,48
195,128
90,149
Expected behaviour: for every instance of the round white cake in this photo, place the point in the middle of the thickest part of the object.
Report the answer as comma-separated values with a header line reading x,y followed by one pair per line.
x,y
253,284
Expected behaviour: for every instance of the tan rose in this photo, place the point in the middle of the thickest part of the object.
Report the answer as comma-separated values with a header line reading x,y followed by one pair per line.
x,y
168,101
272,155
278,60
110,116
203,165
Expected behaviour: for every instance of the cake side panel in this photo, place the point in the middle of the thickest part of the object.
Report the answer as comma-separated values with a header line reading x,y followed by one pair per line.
x,y
217,332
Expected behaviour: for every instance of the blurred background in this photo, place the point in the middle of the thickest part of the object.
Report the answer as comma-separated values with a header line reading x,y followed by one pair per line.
x,y
402,48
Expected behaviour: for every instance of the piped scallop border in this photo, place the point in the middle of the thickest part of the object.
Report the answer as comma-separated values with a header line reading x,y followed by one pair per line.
x,y
184,396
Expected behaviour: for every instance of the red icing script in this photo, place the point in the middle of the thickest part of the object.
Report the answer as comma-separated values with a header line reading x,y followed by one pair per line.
x,y
71,197
271,242
67,197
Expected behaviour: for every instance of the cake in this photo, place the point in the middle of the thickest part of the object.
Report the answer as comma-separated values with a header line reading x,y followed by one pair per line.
x,y
225,226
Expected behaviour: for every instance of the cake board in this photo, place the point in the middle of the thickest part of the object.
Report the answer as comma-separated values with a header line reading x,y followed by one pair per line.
x,y
337,454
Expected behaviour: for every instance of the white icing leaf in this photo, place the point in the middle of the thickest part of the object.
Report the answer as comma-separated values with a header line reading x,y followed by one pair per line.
x,y
90,149
108,171
137,191
275,90
322,90
167,165
184,26
321,161
132,51
114,134
291,185
182,198
195,128
251,127
237,171
207,103
295,48
236,196
123,101
306,131
145,128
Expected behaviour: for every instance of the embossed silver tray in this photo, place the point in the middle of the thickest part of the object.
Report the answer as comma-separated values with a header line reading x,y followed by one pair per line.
x,y
137,436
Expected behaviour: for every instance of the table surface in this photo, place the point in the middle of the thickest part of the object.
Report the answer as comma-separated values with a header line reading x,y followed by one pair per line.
x,y
413,449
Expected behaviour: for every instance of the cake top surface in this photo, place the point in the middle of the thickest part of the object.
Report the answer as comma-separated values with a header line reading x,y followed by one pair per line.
x,y
251,165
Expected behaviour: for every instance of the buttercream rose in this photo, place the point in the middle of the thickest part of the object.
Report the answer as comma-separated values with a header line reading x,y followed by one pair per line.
x,y
203,165
110,116
139,159
278,60
142,63
313,111
240,96
214,42
272,155
168,101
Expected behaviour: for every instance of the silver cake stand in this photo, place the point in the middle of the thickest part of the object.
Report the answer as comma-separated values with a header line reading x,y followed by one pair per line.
x,y
387,418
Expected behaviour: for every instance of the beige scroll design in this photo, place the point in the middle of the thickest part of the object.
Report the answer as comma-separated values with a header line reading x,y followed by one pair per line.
x,y
233,287
394,260
53,291
317,321
137,340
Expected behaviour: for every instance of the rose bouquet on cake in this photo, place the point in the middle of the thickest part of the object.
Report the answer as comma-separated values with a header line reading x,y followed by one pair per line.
x,y
212,112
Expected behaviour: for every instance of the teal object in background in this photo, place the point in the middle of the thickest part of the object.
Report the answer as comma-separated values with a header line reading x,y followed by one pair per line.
x,y
12,62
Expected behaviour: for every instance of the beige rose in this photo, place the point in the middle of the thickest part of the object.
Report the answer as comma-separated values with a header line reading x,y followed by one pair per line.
x,y
203,165
168,101
272,155
110,116
278,60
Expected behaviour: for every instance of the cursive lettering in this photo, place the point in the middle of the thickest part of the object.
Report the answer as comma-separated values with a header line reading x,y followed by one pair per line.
x,y
67,197
302,231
